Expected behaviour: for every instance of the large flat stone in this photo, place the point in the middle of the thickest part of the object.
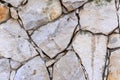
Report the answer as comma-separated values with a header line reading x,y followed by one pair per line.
x,y
55,36
99,16
68,68
4,69
39,12
114,66
92,51
33,70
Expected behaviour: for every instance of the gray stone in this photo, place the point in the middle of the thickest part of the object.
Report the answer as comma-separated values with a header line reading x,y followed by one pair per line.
x,y
68,68
55,36
33,70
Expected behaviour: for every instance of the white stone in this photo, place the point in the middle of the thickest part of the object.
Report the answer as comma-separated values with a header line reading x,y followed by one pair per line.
x,y
14,3
39,12
68,68
12,75
13,13
15,64
50,62
114,66
92,51
14,43
99,17
55,36
4,69
73,4
114,41
33,70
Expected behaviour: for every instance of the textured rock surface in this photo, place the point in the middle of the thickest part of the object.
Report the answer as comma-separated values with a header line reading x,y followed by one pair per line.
x,y
4,12
53,37
114,66
73,4
99,17
91,48
39,12
33,72
64,71
4,69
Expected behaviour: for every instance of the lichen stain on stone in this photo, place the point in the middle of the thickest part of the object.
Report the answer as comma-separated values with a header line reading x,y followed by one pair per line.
x,y
3,13
34,72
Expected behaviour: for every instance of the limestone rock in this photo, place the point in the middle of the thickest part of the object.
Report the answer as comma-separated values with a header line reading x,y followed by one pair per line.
x,y
4,13
39,12
92,51
4,69
55,36
73,4
114,66
114,41
12,75
13,13
32,70
14,43
68,68
14,3
15,64
99,16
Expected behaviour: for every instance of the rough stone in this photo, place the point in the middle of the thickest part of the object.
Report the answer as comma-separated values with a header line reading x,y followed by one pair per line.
x,y
55,36
32,70
4,69
68,68
14,43
15,64
99,17
39,12
114,66
13,13
72,4
114,41
4,13
12,75
15,3
92,51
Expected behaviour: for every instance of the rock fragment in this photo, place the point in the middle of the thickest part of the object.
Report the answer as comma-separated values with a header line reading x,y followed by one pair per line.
x,y
4,13
13,13
39,12
73,4
15,64
114,66
92,51
4,69
55,36
99,16
68,68
33,70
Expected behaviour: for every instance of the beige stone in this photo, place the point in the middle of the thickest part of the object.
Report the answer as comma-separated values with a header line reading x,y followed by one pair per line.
x,y
13,13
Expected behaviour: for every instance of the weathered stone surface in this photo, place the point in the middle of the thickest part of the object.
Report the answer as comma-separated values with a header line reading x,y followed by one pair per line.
x,y
15,64
32,70
13,13
14,3
39,12
73,4
114,41
4,12
92,51
99,17
12,75
14,43
55,36
4,69
114,66
68,68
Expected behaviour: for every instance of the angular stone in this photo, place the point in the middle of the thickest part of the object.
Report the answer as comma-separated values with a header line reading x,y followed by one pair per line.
x,y
4,13
114,66
92,51
55,36
4,69
15,64
12,75
13,13
114,41
14,3
14,43
39,12
33,70
68,68
99,16
73,4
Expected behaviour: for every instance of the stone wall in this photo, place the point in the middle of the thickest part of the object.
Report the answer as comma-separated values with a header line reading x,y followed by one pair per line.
x,y
59,40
